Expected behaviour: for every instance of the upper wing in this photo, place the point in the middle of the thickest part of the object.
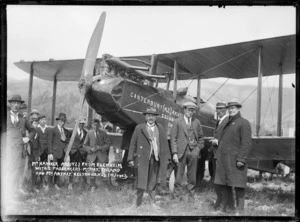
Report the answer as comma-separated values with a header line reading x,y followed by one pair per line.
x,y
236,61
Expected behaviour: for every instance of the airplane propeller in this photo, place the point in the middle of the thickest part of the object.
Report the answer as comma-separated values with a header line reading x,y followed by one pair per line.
x,y
87,74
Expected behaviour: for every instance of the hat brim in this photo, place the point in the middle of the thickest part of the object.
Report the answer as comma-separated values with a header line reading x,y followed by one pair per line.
x,y
14,100
60,119
237,105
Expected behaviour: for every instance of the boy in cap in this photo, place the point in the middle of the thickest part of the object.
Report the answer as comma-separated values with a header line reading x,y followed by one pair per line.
x,y
13,159
149,154
42,131
96,144
58,138
186,142
234,146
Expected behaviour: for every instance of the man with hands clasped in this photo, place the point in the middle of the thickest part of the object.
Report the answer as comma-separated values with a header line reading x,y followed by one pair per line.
x,y
186,142
234,146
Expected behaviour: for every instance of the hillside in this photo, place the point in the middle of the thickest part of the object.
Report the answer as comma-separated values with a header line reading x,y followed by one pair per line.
x,y
67,99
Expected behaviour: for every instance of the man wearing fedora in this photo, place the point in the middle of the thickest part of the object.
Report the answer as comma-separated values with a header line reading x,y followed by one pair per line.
x,y
149,154
96,144
13,161
234,146
186,142
222,119
58,138
77,153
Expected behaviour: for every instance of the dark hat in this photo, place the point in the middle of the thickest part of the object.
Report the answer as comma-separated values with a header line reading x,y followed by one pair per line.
x,y
96,121
23,106
34,111
62,117
42,116
190,105
151,110
16,98
221,104
234,102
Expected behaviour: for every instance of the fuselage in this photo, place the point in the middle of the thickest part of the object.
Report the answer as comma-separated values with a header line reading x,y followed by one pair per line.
x,y
122,102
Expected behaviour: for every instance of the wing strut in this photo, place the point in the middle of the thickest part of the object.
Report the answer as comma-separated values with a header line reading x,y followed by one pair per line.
x,y
30,90
279,117
258,105
198,91
53,100
175,80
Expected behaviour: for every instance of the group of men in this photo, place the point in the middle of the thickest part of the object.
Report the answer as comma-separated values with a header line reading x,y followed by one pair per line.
x,y
31,139
149,152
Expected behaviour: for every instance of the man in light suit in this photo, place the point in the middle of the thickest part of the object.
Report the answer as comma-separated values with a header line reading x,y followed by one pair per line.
x,y
58,139
186,142
13,154
96,144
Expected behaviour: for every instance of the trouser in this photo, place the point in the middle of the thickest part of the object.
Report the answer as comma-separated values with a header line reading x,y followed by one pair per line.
x,y
189,159
228,198
152,181
54,179
79,158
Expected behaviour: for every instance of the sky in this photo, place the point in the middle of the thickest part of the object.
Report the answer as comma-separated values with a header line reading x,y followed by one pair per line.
x,y
63,32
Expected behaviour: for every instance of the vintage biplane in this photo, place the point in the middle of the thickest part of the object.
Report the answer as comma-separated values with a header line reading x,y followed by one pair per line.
x,y
120,88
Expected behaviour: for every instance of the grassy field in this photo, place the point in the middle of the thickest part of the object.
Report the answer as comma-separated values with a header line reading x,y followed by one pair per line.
x,y
265,198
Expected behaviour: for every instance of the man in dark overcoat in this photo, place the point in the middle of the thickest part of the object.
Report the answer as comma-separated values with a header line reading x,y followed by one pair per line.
x,y
222,119
58,138
13,153
186,142
149,154
234,146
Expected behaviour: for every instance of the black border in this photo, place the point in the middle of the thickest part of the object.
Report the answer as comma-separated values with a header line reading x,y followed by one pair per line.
x,y
3,86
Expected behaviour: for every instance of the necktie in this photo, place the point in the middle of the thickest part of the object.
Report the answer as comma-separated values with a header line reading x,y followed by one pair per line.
x,y
189,122
81,134
62,135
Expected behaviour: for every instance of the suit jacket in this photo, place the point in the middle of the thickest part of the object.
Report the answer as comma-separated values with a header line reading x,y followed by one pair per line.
x,y
102,141
43,139
179,135
55,145
217,134
139,152
78,143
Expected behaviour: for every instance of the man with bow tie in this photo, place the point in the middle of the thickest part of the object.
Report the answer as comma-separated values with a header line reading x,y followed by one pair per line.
x,y
77,153
149,154
58,138
186,142
96,144
13,154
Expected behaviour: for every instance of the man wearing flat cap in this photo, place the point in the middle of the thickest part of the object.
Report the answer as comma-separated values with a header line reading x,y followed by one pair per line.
x,y
58,138
34,115
78,153
96,144
186,142
13,161
149,154
43,131
234,146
